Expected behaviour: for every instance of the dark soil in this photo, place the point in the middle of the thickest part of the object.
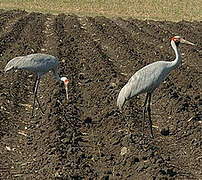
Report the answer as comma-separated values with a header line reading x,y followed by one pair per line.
x,y
85,138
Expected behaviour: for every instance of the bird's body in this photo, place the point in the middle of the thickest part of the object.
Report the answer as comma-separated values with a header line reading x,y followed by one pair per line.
x,y
147,79
37,63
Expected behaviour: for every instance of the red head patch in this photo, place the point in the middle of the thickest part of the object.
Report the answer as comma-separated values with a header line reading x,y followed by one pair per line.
x,y
66,81
176,39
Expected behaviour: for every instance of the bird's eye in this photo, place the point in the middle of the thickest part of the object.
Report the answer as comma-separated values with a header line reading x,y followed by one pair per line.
x,y
176,39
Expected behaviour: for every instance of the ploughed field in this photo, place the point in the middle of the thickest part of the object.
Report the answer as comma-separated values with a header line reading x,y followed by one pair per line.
x,y
88,137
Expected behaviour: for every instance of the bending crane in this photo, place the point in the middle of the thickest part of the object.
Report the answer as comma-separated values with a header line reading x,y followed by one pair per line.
x,y
39,64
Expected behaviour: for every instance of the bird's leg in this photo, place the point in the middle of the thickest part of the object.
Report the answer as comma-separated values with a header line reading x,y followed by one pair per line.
x,y
144,110
37,97
35,93
35,84
149,114
39,106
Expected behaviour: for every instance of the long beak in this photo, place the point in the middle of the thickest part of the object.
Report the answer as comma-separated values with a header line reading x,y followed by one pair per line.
x,y
186,42
66,89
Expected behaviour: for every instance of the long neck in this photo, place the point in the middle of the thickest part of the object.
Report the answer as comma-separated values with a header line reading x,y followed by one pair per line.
x,y
174,64
55,72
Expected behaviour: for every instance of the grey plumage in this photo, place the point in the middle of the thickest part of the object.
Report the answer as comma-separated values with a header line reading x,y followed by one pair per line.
x,y
40,64
147,79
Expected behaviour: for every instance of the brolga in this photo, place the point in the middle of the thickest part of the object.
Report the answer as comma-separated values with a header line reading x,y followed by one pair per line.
x,y
147,79
39,64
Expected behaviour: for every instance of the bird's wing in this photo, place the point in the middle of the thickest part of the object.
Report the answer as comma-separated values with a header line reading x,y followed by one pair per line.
x,y
127,91
13,63
33,62
40,62
149,78
144,80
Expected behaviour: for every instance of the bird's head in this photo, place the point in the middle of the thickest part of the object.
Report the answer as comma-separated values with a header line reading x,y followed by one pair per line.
x,y
66,82
177,40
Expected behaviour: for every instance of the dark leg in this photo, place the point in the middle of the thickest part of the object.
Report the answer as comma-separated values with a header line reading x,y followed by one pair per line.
x,y
39,106
144,110
35,84
149,114
35,93
37,79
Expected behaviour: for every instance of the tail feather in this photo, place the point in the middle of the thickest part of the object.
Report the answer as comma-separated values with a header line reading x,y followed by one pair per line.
x,y
8,68
123,96
13,64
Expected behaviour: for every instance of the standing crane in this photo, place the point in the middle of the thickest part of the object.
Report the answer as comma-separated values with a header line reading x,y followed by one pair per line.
x,y
147,79
39,64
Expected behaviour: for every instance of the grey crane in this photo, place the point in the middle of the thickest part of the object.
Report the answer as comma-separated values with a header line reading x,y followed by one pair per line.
x,y
39,64
147,79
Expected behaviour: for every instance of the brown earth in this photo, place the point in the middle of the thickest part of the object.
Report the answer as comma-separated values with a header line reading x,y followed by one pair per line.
x,y
84,138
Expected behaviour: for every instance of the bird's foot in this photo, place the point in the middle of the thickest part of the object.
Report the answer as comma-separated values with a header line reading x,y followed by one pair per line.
x,y
31,116
142,135
151,136
142,142
43,113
